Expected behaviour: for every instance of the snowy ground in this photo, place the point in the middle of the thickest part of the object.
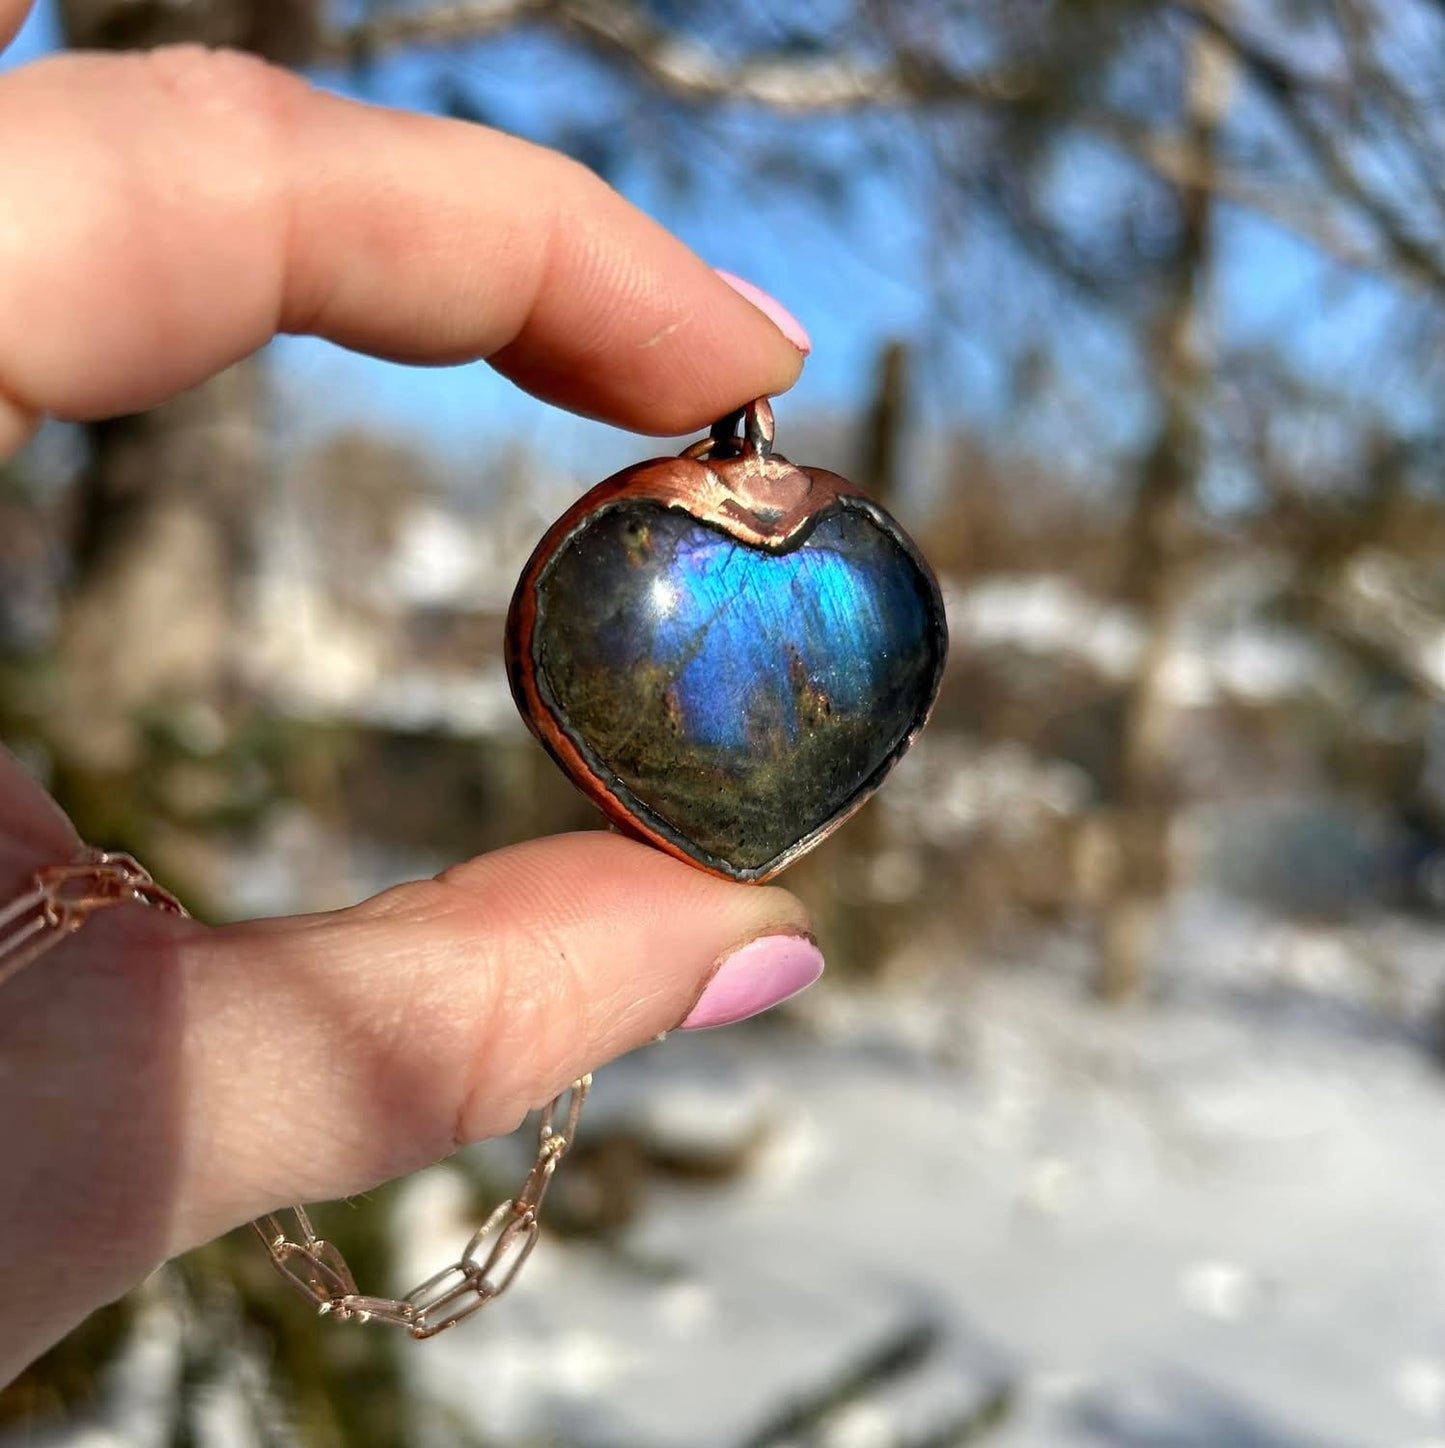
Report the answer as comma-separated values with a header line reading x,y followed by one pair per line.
x,y
986,1210
976,1208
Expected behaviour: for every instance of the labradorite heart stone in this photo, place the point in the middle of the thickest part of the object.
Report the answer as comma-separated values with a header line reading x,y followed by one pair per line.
x,y
737,698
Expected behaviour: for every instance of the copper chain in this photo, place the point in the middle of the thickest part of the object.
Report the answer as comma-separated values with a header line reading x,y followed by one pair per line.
x,y
63,897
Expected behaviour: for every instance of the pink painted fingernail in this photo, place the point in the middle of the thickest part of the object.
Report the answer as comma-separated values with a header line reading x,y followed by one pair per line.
x,y
754,978
772,309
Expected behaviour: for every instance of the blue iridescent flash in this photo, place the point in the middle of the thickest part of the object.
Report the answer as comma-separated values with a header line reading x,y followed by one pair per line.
x,y
737,628
740,697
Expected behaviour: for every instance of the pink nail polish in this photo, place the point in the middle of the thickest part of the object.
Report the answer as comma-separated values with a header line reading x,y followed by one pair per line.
x,y
754,978
772,309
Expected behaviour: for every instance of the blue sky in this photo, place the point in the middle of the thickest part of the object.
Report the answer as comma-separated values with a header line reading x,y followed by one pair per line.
x,y
854,271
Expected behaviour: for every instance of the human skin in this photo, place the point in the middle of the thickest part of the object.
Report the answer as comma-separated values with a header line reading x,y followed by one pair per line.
x,y
161,1081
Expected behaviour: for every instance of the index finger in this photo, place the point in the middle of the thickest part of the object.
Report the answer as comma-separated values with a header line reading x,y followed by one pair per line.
x,y
171,211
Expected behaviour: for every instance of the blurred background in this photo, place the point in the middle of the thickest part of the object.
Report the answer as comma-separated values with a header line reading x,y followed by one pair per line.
x,y
1120,1117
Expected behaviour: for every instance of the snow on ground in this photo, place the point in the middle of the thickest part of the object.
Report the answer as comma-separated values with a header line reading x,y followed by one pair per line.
x,y
1047,615
978,1208
987,1206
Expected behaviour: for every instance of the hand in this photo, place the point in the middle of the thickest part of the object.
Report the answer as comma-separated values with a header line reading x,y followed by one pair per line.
x,y
161,1082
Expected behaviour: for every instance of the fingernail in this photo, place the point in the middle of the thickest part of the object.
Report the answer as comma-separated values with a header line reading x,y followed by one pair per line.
x,y
772,309
754,978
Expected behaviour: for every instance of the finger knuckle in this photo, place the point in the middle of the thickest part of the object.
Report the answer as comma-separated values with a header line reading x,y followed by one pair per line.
x,y
221,83
536,1041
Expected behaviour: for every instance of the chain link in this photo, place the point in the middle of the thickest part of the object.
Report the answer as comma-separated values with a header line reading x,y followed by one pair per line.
x,y
63,897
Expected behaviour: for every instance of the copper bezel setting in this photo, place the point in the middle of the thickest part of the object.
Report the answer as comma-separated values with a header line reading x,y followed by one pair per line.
x,y
741,488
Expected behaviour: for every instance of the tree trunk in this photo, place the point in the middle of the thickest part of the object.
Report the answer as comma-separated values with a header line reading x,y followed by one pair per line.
x,y
865,927
161,544
1144,813
162,528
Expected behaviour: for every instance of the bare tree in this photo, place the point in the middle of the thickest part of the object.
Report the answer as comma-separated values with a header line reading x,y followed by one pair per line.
x,y
1144,811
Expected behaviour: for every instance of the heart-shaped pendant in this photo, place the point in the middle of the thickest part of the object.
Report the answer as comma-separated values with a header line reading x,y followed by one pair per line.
x,y
726,652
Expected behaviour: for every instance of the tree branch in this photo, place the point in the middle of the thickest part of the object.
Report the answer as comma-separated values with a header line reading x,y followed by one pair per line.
x,y
681,67
1412,255
794,85
439,24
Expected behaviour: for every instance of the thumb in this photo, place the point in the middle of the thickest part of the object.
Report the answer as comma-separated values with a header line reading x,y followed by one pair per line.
x,y
164,1081
378,1039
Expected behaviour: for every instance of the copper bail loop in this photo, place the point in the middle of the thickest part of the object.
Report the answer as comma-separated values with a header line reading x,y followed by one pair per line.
x,y
722,441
